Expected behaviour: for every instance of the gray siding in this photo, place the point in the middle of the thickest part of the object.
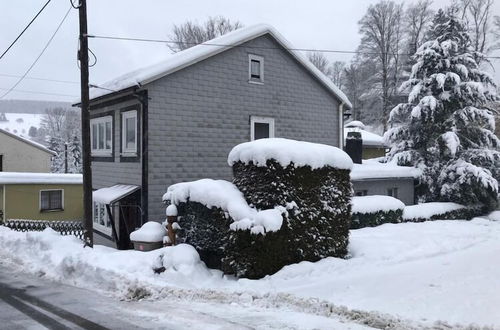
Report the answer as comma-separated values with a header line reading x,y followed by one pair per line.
x,y
197,114
380,186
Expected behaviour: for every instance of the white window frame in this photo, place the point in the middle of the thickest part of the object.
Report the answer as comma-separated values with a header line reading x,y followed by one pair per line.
x,y
261,120
260,59
96,151
97,225
40,200
129,151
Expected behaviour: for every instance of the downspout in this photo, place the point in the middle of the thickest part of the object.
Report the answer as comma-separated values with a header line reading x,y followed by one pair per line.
x,y
341,125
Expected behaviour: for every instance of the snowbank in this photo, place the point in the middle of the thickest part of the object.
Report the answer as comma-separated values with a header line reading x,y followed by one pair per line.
x,y
372,204
39,178
286,151
371,169
151,231
225,195
428,210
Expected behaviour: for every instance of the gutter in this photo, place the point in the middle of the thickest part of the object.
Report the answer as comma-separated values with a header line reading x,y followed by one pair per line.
x,y
341,125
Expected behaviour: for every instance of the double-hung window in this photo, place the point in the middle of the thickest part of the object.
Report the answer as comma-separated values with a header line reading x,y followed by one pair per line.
x,y
261,127
255,69
129,132
51,200
101,136
392,192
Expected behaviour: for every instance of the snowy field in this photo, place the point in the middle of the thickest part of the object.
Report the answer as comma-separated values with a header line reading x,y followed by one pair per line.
x,y
402,276
20,123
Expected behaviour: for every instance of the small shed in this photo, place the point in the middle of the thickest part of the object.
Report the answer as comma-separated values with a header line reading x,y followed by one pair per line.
x,y
373,144
375,178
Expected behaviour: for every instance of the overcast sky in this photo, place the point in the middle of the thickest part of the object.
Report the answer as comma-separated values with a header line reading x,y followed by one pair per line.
x,y
324,24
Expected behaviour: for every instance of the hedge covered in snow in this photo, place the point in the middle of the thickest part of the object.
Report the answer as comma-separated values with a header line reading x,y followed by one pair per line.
x,y
289,202
439,211
371,211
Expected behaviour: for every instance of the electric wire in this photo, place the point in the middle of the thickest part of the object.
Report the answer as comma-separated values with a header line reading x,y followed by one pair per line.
x,y
40,78
24,30
38,57
39,92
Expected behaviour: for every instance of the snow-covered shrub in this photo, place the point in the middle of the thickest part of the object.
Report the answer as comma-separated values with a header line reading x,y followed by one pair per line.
x,y
439,211
371,211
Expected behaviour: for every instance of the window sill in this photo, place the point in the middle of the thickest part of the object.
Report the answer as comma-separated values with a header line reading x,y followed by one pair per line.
x,y
128,154
101,155
255,82
53,210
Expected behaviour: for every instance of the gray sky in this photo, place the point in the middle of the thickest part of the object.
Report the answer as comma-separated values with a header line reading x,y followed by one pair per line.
x,y
325,24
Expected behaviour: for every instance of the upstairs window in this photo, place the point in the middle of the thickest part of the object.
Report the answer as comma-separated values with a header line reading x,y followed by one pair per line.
x,y
129,132
255,69
51,200
261,128
101,136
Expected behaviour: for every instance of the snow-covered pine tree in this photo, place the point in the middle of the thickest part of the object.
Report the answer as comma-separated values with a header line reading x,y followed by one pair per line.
x,y
57,145
75,154
446,128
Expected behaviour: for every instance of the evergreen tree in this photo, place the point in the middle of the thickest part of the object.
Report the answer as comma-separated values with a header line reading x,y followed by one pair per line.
x,y
446,128
57,145
75,154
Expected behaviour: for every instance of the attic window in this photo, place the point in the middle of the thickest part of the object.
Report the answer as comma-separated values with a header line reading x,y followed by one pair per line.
x,y
255,69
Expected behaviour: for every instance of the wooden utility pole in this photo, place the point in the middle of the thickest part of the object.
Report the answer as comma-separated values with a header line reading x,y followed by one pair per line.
x,y
83,57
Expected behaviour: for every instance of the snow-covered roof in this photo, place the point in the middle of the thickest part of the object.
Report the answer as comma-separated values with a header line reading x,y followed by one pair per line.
x,y
112,194
369,138
355,123
39,178
198,53
32,143
372,169
286,151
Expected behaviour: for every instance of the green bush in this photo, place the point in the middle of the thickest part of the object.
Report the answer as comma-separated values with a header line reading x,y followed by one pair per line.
x,y
467,213
361,220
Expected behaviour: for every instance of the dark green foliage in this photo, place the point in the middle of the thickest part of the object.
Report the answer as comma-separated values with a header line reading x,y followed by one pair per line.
x,y
361,220
207,230
317,227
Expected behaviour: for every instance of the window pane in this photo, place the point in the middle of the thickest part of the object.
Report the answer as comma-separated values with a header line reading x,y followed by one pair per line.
x,y
255,69
108,135
261,131
130,135
55,199
96,213
101,136
44,200
94,136
102,214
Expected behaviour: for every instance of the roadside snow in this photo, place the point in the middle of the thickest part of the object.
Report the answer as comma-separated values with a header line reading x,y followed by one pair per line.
x,y
151,231
375,203
427,210
225,195
286,151
413,271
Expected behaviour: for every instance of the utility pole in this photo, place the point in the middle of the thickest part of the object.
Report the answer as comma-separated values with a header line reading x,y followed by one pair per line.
x,y
65,157
83,57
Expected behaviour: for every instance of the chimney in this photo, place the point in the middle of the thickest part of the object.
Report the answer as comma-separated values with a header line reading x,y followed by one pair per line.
x,y
354,146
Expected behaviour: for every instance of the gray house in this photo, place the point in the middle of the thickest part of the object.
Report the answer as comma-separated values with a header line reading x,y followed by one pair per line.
x,y
177,120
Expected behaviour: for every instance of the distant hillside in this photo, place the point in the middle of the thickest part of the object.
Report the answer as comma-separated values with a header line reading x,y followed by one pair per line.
x,y
26,106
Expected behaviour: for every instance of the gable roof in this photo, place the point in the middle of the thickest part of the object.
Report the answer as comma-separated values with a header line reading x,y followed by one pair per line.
x,y
32,143
210,48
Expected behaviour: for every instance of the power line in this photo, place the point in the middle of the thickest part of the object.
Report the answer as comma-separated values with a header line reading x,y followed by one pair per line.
x,y
208,43
37,92
38,57
40,78
22,32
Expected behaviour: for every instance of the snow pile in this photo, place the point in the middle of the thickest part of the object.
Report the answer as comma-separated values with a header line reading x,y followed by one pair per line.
x,y
286,151
171,210
376,203
428,210
226,196
495,216
372,169
151,231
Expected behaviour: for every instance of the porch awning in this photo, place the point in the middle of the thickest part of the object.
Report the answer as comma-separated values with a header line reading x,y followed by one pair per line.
x,y
109,195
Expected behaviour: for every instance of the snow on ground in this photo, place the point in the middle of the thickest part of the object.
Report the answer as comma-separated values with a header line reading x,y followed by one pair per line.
x,y
406,275
20,123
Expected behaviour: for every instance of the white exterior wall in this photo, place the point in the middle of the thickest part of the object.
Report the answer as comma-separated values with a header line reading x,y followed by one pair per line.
x,y
19,156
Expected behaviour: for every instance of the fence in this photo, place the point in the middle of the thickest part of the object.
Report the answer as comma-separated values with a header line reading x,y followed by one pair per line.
x,y
63,227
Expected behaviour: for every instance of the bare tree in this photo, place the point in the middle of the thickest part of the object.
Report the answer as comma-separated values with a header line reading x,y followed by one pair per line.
x,y
477,14
191,33
381,37
496,33
418,17
337,73
321,62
